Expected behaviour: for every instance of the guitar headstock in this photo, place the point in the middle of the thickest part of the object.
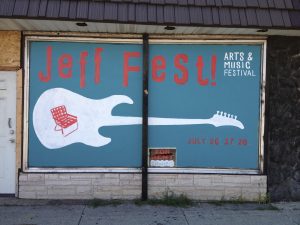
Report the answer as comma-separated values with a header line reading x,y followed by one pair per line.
x,y
226,119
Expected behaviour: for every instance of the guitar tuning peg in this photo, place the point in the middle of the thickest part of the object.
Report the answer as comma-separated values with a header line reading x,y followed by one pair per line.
x,y
235,117
225,114
218,112
221,113
228,115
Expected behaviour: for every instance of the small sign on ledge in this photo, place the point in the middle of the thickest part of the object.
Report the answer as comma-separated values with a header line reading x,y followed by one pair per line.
x,y
162,157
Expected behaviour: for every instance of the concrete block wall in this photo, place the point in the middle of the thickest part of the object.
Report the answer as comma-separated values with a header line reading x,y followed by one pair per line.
x,y
209,186
80,186
128,186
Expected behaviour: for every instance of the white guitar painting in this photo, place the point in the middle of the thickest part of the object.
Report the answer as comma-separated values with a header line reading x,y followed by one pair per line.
x,y
62,117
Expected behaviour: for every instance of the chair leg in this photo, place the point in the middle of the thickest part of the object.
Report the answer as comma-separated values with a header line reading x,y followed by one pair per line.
x,y
56,129
70,129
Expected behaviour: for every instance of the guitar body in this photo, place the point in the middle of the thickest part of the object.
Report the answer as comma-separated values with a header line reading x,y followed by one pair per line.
x,y
91,115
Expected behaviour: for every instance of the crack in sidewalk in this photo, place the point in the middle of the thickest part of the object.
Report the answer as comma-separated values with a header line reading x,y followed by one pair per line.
x,y
82,213
187,222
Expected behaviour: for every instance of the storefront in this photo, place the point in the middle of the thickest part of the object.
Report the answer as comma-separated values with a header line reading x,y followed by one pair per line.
x,y
84,108
106,115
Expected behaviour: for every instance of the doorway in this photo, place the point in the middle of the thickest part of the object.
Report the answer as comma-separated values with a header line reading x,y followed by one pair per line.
x,y
7,132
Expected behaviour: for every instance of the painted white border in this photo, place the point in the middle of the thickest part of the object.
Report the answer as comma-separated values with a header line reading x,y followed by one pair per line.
x,y
25,107
27,39
215,41
202,171
150,170
137,170
261,158
86,39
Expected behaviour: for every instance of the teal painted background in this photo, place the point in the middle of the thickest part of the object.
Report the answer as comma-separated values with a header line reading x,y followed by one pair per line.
x,y
124,150
235,95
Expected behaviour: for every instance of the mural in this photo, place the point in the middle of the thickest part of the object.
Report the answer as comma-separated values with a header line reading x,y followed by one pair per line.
x,y
86,104
94,114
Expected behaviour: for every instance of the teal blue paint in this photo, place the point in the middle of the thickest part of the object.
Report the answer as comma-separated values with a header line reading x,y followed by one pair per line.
x,y
124,150
236,95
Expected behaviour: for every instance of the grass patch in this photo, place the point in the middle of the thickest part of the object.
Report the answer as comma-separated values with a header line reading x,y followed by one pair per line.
x,y
217,203
99,202
268,207
239,200
264,199
168,199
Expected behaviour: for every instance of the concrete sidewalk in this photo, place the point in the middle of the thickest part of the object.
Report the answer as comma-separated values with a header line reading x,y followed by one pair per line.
x,y
46,212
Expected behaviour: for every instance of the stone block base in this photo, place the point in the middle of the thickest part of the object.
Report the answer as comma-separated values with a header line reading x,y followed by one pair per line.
x,y
128,186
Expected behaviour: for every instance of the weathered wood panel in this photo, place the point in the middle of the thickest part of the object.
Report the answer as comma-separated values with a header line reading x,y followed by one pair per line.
x,y
19,121
10,50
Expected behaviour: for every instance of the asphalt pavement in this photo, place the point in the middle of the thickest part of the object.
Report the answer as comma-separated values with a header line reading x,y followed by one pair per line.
x,y
52,212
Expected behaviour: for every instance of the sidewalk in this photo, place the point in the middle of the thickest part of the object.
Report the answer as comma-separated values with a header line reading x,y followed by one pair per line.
x,y
47,212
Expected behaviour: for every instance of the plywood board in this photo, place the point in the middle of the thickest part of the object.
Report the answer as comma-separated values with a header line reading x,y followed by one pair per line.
x,y
19,120
10,49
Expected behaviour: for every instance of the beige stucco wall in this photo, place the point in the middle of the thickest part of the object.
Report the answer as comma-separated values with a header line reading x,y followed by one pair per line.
x,y
10,52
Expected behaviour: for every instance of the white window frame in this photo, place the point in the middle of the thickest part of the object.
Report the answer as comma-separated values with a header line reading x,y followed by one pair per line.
x,y
156,40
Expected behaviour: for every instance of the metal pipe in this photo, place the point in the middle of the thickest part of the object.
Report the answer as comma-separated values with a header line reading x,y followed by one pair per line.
x,y
145,119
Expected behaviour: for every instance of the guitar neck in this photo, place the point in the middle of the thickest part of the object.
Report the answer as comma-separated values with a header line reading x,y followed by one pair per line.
x,y
176,121
216,120
157,121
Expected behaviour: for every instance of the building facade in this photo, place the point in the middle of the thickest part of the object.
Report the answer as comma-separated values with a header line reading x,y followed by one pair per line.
x,y
131,99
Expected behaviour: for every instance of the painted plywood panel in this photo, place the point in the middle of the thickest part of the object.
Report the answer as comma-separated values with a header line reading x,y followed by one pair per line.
x,y
75,110
212,92
204,102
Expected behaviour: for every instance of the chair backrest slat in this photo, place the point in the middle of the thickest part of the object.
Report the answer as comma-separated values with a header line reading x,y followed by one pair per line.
x,y
59,112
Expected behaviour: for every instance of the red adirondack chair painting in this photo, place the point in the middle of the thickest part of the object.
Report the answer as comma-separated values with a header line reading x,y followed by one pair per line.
x,y
66,123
